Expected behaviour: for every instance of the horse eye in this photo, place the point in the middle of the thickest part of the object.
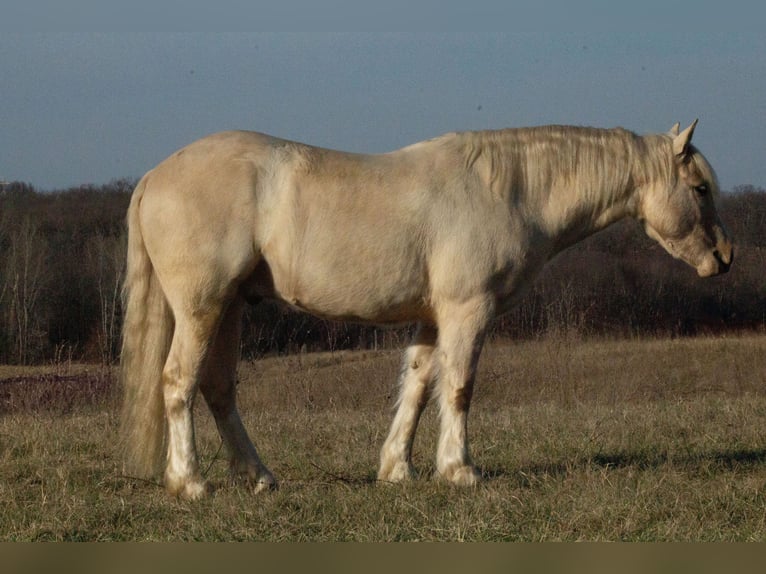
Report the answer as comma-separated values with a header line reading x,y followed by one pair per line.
x,y
701,189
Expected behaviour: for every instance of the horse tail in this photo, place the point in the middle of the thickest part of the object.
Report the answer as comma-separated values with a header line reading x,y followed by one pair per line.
x,y
146,335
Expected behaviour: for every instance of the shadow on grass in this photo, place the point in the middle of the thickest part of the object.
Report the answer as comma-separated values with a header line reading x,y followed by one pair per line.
x,y
726,459
735,459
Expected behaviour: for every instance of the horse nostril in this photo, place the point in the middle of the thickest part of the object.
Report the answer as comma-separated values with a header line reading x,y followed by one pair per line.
x,y
725,264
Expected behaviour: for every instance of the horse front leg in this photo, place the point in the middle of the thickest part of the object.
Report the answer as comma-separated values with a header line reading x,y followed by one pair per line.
x,y
415,381
462,327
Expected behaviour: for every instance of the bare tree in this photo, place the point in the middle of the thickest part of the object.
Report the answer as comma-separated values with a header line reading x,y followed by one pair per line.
x,y
24,276
4,282
106,256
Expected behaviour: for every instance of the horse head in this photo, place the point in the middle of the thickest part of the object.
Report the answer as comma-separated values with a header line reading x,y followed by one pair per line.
x,y
679,210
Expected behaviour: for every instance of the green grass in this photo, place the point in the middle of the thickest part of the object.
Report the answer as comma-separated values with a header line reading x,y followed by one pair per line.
x,y
578,440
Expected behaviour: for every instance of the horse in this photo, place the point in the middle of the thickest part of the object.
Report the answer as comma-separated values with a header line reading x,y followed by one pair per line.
x,y
445,234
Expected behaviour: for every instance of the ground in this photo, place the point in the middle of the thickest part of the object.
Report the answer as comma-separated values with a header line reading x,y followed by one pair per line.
x,y
576,439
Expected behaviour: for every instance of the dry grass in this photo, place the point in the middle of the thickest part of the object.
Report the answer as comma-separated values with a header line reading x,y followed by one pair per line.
x,y
578,440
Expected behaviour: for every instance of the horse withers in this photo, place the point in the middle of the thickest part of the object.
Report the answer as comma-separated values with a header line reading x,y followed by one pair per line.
x,y
446,233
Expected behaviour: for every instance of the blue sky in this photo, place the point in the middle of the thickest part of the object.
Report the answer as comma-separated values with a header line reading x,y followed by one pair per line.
x,y
84,108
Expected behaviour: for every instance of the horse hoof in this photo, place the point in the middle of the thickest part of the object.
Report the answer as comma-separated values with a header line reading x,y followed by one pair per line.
x,y
256,478
190,490
396,473
464,476
264,482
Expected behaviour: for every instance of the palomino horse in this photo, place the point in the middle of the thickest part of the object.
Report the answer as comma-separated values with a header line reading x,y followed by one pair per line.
x,y
447,233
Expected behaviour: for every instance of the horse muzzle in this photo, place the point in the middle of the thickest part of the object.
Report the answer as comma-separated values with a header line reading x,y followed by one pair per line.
x,y
719,261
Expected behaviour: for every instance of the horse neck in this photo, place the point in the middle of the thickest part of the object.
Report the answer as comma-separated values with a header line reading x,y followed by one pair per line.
x,y
588,181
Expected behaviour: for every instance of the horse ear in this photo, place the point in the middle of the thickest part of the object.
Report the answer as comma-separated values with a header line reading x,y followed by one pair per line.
x,y
681,141
674,129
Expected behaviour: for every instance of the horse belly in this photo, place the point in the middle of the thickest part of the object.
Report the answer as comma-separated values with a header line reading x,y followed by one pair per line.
x,y
353,285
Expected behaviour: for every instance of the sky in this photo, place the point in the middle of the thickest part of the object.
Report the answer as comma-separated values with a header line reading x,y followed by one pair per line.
x,y
85,108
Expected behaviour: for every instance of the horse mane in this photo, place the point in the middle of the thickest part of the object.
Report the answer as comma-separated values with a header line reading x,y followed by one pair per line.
x,y
593,161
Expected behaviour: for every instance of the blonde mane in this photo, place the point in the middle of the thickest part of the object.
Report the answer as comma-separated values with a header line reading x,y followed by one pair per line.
x,y
592,161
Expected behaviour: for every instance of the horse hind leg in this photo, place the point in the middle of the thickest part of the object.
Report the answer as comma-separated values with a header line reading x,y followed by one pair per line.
x,y
218,386
415,381
180,379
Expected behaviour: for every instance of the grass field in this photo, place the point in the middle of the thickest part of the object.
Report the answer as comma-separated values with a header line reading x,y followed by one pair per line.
x,y
577,439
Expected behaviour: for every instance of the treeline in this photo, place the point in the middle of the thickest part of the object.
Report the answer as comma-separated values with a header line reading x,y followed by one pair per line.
x,y
62,257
